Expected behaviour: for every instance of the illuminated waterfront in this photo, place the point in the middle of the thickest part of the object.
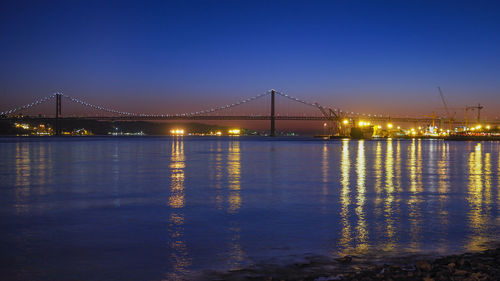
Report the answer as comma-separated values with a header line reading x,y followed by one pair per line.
x,y
161,208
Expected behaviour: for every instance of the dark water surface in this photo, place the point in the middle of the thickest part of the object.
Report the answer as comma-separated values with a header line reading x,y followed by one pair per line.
x,y
161,208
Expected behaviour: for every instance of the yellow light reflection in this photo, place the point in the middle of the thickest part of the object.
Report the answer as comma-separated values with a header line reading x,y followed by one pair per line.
x,y
345,166
361,228
324,170
415,171
389,201
378,185
236,253
398,170
179,255
177,165
443,188
234,176
479,197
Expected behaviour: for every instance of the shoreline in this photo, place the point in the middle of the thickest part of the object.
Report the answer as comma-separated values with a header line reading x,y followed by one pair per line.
x,y
484,265
301,137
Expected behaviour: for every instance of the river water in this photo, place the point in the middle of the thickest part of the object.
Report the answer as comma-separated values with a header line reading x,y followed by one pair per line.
x,y
151,208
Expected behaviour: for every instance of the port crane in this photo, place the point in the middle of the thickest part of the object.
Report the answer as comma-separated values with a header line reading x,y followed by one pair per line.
x,y
333,118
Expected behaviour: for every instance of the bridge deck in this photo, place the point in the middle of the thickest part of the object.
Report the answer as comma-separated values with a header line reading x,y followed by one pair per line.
x,y
246,118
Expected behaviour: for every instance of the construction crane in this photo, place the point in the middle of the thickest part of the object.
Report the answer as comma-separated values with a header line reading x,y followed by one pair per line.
x,y
467,108
450,118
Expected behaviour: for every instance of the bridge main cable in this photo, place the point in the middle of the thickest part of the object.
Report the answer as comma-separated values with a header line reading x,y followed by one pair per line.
x,y
26,106
110,110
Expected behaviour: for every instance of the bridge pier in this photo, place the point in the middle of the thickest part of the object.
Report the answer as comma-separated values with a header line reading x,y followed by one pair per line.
x,y
58,113
273,117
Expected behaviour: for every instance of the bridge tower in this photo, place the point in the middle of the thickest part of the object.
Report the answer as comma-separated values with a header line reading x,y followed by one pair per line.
x,y
58,114
273,118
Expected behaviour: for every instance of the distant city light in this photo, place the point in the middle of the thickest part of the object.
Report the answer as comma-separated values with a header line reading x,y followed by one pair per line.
x,y
177,132
234,131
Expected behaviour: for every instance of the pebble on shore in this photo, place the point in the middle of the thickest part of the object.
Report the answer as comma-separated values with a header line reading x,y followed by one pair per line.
x,y
467,267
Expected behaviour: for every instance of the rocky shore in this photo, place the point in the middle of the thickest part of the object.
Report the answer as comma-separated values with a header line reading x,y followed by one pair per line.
x,y
469,266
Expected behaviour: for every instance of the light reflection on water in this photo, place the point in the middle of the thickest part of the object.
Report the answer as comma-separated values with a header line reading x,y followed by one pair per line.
x,y
345,199
179,257
479,196
236,252
165,207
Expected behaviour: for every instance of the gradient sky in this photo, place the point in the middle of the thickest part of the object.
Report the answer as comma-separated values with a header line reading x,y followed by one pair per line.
x,y
171,56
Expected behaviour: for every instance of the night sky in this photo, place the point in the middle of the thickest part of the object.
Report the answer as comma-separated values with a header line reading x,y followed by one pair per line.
x,y
368,56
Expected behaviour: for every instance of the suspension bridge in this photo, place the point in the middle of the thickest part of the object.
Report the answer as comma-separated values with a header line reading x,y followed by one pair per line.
x,y
333,117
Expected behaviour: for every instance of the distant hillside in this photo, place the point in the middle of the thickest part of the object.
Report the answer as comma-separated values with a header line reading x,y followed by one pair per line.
x,y
104,127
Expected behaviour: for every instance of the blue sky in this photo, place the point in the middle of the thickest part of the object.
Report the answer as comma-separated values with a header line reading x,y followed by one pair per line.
x,y
370,56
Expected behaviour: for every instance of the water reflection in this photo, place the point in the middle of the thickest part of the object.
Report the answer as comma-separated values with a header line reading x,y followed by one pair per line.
x,y
389,203
23,176
324,175
234,176
345,200
179,256
236,253
478,197
443,190
415,199
362,231
219,199
398,169
324,170
177,166
216,167
116,175
229,200
442,171
378,171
